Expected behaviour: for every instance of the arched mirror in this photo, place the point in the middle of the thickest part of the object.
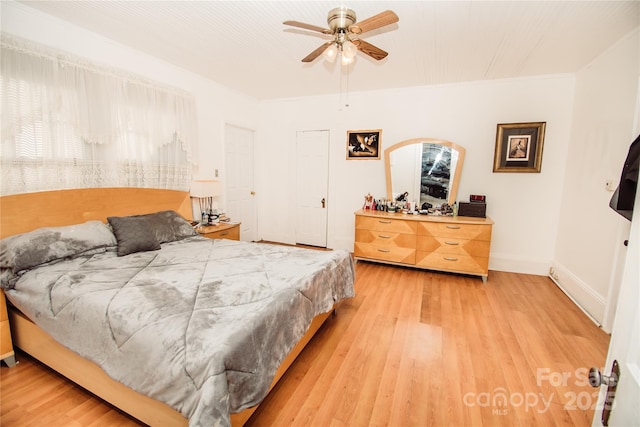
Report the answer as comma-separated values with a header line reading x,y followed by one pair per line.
x,y
427,169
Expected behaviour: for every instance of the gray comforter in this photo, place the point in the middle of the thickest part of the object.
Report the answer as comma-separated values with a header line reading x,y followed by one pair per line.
x,y
201,325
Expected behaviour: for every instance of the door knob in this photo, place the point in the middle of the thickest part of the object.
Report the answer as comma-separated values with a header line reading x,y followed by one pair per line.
x,y
596,378
323,201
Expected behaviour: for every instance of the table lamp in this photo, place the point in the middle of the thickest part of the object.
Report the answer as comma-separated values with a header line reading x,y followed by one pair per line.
x,y
205,191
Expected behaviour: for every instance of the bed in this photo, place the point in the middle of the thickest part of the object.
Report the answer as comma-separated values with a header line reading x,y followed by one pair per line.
x,y
179,330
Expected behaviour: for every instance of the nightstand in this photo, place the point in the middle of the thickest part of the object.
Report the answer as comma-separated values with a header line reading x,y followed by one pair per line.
x,y
6,345
221,231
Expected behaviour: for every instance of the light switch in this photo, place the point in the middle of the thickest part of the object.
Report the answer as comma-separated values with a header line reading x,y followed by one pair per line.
x,y
610,185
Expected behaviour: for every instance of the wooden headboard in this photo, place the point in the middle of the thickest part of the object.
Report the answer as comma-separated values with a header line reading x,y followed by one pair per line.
x,y
20,213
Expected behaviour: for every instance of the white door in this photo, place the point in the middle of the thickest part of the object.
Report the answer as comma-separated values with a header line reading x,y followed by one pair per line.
x,y
312,160
238,180
624,346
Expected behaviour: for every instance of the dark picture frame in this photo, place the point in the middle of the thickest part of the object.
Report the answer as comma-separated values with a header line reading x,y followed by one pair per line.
x,y
519,147
364,144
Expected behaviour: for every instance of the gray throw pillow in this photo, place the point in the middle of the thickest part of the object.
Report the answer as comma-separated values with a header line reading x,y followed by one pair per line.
x,y
27,250
134,234
169,226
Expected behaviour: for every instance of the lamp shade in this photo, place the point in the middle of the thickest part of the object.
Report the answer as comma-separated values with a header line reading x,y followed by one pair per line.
x,y
330,53
205,188
346,60
349,49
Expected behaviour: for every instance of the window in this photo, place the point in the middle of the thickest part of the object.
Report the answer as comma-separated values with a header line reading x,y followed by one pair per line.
x,y
69,124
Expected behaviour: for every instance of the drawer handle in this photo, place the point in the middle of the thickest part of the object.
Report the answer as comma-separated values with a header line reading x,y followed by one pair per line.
x,y
451,243
454,227
384,250
384,221
224,233
450,259
383,237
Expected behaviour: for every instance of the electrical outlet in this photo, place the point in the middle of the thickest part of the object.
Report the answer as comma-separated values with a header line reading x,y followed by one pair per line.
x,y
215,173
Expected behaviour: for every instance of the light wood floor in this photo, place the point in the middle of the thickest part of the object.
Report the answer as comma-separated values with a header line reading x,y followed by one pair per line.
x,y
413,348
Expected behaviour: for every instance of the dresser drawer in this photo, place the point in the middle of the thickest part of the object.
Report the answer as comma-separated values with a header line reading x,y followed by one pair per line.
x,y
382,253
452,262
222,231
455,230
385,224
455,246
386,239
231,234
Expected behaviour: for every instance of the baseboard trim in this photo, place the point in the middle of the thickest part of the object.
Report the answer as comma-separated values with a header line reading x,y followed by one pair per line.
x,y
589,301
523,265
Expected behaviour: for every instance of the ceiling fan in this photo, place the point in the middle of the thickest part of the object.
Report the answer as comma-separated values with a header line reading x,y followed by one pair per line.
x,y
345,32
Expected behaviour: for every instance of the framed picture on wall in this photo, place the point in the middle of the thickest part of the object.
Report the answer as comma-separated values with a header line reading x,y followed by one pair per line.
x,y
363,144
519,147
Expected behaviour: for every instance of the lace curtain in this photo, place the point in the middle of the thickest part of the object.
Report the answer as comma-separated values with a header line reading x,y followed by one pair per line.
x,y
67,123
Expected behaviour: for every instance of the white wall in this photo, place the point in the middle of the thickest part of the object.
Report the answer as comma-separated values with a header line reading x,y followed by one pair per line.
x,y
524,206
215,103
590,236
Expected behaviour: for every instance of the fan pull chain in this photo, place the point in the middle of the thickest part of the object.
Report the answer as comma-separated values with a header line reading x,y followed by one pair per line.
x,y
346,104
340,85
348,72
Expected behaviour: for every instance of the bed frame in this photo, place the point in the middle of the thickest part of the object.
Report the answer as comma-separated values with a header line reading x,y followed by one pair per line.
x,y
25,212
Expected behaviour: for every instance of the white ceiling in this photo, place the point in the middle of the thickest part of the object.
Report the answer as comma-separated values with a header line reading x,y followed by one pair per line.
x,y
245,46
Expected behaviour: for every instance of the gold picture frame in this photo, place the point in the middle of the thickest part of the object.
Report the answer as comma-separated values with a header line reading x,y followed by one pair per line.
x,y
364,144
519,147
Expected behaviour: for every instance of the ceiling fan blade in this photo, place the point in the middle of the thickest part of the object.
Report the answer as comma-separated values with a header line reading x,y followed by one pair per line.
x,y
307,26
369,49
313,55
376,21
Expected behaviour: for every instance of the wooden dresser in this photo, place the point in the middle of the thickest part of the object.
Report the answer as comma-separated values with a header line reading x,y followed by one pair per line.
x,y
444,243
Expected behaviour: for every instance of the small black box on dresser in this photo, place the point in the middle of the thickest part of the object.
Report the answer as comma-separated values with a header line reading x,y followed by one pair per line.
x,y
478,210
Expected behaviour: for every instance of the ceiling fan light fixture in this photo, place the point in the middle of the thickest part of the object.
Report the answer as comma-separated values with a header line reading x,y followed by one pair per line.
x,y
330,53
347,60
349,49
